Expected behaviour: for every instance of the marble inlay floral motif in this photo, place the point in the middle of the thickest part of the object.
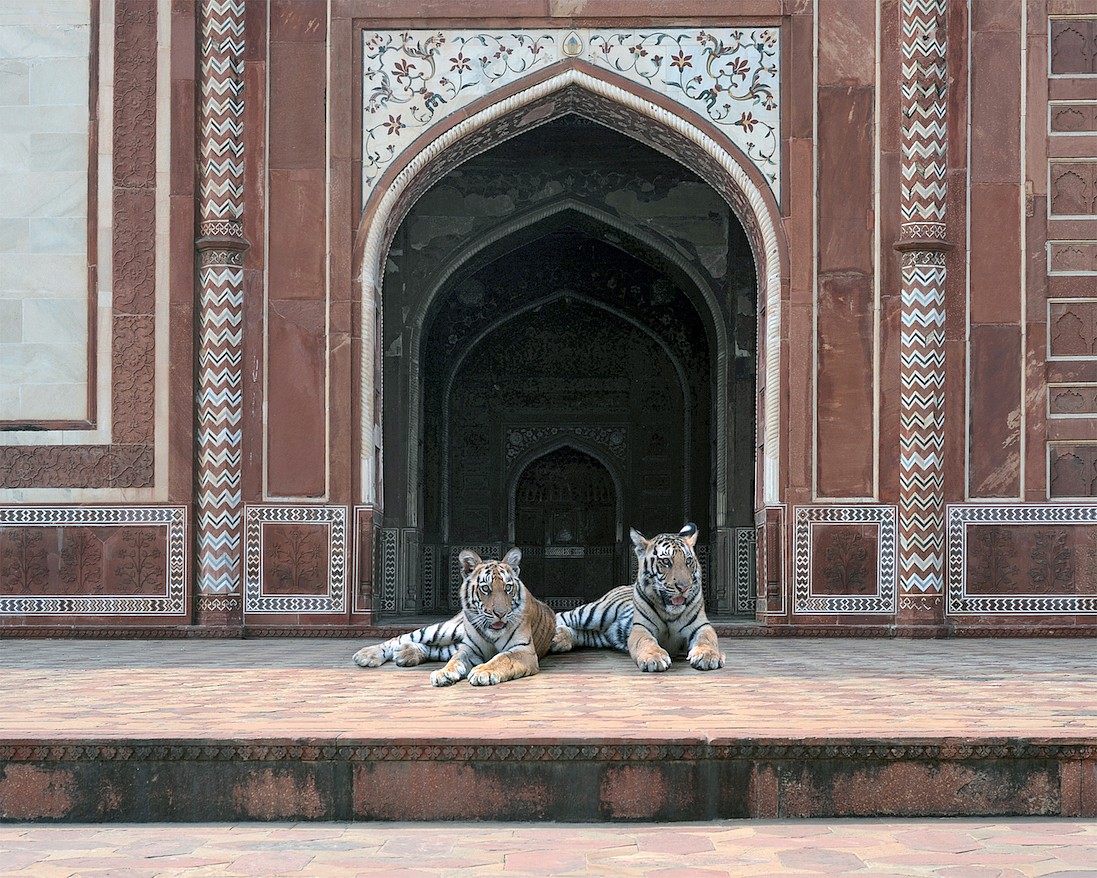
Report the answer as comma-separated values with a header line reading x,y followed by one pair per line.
x,y
413,79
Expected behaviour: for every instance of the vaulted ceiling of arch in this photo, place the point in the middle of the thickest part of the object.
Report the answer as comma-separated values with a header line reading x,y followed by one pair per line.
x,y
512,193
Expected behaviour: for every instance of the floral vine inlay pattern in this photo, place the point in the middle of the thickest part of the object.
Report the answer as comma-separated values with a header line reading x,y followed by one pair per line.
x,y
414,78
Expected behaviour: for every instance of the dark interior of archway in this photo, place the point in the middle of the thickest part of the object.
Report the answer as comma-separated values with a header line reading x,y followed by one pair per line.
x,y
565,517
574,344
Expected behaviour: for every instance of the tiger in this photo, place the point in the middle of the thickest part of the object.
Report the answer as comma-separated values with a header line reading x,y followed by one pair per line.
x,y
501,633
662,613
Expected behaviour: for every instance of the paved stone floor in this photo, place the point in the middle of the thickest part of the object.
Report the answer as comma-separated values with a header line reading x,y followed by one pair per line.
x,y
938,848
772,689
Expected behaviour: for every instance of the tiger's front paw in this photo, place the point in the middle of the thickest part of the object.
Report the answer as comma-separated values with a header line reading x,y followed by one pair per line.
x,y
371,656
654,658
563,640
705,659
408,655
482,675
448,675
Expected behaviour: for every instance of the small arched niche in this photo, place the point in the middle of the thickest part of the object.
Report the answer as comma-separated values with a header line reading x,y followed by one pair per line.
x,y
567,520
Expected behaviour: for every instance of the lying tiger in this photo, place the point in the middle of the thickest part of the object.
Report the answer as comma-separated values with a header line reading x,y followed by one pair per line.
x,y
662,613
500,634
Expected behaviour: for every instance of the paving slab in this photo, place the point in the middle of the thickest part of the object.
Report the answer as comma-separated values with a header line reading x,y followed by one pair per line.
x,y
715,849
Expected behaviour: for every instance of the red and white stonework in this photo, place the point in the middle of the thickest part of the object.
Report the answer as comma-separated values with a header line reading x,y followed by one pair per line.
x,y
227,228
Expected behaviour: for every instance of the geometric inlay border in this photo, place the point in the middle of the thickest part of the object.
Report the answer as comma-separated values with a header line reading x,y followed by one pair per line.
x,y
172,603
959,602
806,518
334,518
746,562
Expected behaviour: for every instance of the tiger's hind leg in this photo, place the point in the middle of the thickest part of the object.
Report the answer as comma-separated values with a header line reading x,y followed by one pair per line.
x,y
436,643
563,640
408,655
375,656
602,623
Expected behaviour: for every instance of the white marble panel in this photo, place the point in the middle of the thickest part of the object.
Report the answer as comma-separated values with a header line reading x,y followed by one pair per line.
x,y
39,12
11,321
36,363
44,41
14,234
57,193
9,401
52,321
47,402
52,82
14,83
31,119
59,152
15,157
57,235
29,276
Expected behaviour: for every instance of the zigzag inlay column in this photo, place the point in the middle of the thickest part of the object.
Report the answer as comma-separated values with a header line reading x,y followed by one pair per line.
x,y
922,244
221,247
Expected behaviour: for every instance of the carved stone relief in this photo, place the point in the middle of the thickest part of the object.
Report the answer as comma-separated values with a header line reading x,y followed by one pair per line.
x,y
1073,46
1072,328
1073,117
1073,190
1072,470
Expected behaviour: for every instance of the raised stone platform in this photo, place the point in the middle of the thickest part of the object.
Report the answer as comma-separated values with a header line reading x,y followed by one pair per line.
x,y
289,729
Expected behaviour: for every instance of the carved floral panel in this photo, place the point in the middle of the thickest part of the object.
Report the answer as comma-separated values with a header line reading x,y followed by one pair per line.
x,y
92,560
413,79
1022,559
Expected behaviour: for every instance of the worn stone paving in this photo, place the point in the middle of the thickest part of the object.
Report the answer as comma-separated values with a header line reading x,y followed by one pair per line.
x,y
756,849
771,689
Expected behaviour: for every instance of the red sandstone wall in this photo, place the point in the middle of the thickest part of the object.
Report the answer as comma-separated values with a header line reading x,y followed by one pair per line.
x,y
1021,330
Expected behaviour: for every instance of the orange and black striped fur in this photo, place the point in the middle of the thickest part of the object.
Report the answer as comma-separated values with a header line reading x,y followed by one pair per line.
x,y
500,634
660,615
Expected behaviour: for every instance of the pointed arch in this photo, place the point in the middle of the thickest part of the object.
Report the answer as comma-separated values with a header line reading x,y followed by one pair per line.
x,y
575,87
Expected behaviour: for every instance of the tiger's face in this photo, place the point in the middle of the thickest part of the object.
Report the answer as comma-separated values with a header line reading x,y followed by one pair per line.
x,y
492,594
670,573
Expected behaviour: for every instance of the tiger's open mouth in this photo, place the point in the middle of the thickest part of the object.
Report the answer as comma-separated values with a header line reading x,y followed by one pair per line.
x,y
498,625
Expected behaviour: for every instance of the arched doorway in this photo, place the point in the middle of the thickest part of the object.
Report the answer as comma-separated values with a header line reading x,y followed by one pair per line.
x,y
566,519
579,289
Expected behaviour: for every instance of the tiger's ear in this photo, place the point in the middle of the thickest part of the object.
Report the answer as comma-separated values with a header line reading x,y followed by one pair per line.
x,y
689,534
469,561
639,542
513,558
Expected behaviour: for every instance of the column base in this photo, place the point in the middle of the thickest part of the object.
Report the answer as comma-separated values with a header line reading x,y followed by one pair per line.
x,y
219,611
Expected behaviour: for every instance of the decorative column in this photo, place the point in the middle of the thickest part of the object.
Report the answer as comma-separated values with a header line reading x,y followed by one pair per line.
x,y
922,245
221,248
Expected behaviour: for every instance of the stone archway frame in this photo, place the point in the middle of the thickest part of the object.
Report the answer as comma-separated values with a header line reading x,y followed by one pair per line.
x,y
533,304
563,439
644,237
575,87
